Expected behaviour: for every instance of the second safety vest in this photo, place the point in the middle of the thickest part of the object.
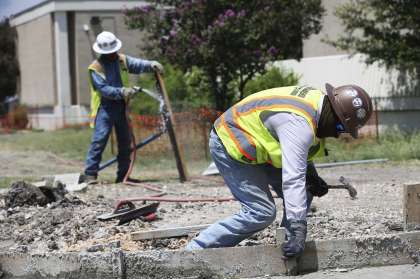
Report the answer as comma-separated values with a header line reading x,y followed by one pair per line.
x,y
244,135
95,99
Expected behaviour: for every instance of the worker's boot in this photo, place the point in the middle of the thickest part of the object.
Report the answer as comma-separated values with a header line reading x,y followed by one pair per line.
x,y
88,179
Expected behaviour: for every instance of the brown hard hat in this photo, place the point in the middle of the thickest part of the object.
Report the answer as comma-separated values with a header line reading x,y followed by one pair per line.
x,y
352,105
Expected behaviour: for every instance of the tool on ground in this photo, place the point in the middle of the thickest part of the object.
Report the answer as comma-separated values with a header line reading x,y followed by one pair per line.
x,y
345,185
125,211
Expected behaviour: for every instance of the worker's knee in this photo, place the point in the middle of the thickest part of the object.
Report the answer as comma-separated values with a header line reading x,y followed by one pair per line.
x,y
263,218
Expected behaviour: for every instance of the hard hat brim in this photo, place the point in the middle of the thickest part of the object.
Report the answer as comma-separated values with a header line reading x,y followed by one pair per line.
x,y
330,93
101,51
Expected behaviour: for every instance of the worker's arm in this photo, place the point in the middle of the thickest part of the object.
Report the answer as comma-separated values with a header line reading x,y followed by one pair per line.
x,y
106,90
295,137
138,66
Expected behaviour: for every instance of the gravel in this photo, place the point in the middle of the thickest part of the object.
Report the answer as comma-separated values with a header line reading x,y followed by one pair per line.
x,y
70,223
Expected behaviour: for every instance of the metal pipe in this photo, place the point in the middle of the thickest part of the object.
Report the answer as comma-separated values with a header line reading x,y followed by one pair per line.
x,y
138,146
337,164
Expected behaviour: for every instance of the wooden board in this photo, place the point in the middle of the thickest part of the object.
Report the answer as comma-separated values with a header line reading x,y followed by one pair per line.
x,y
167,233
411,206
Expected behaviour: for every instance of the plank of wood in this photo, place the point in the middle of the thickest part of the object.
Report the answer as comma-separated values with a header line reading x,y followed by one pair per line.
x,y
167,233
411,206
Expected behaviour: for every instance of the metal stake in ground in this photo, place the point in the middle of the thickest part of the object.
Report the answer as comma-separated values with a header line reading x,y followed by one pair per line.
x,y
170,125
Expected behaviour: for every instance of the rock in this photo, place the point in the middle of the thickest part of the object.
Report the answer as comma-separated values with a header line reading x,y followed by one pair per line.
x,y
95,248
3,215
22,193
52,245
22,249
114,244
100,233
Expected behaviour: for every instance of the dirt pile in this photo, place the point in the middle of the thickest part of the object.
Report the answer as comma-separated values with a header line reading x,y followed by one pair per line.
x,y
22,193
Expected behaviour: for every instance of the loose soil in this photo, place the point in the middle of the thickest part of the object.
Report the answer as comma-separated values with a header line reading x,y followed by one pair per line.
x,y
70,224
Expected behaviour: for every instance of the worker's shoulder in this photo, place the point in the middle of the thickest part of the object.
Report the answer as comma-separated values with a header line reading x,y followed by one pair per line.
x,y
96,66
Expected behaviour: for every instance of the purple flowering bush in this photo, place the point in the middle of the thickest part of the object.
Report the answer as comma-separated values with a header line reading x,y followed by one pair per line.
x,y
231,41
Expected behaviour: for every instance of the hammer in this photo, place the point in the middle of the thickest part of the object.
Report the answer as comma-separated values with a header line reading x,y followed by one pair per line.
x,y
345,185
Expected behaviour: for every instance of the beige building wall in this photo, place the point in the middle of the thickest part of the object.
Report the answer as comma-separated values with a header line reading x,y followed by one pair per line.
x,y
332,27
111,21
36,61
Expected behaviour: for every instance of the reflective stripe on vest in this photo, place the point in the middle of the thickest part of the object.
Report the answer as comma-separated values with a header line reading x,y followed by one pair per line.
x,y
95,100
246,138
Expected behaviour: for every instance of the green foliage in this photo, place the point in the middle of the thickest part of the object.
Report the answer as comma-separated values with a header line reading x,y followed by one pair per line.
x,y
393,144
8,63
186,91
387,31
229,41
275,77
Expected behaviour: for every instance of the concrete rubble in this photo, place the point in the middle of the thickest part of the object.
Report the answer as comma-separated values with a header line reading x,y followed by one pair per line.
x,y
55,234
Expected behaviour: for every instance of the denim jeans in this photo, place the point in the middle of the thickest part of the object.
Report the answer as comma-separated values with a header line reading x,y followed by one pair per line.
x,y
110,114
249,185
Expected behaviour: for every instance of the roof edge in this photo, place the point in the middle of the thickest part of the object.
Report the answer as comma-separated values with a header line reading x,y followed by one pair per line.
x,y
51,6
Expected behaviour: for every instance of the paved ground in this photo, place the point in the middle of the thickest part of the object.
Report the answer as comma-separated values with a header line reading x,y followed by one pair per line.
x,y
386,272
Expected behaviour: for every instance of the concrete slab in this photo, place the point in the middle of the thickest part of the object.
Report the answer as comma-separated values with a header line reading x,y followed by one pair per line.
x,y
234,262
383,272
403,248
62,265
237,262
167,233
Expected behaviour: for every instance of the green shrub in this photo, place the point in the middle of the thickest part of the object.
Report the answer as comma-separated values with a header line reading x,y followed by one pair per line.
x,y
275,77
186,91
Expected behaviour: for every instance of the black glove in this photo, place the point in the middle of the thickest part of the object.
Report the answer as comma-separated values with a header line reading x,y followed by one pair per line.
x,y
296,242
314,183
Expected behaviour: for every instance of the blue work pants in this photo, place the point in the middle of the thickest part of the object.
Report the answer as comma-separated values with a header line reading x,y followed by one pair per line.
x,y
110,114
249,185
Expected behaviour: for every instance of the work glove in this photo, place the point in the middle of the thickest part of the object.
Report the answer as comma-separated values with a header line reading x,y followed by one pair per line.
x,y
314,183
128,91
296,241
157,67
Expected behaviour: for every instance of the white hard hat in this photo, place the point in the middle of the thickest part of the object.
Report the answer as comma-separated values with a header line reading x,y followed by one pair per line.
x,y
106,43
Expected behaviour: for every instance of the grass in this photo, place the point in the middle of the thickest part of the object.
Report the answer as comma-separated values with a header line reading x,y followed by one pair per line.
x,y
68,143
73,143
153,162
394,145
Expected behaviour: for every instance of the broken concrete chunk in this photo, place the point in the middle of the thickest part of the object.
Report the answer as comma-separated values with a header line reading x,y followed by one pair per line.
x,y
22,193
95,248
76,187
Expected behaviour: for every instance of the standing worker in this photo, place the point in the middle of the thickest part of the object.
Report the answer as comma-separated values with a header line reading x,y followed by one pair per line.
x,y
270,138
108,82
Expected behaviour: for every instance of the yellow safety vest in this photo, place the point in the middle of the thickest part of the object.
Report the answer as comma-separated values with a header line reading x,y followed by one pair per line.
x,y
244,135
95,99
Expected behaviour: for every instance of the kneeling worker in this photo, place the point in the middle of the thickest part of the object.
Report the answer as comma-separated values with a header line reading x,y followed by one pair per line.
x,y
270,138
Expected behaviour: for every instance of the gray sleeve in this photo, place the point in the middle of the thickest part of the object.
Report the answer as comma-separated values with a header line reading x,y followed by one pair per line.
x,y
295,136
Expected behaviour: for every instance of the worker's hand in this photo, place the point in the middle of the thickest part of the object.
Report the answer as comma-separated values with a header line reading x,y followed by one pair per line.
x,y
157,67
314,183
128,91
296,242
317,186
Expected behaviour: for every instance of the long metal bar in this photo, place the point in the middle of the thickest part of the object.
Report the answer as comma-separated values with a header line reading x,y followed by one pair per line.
x,y
337,164
170,126
138,146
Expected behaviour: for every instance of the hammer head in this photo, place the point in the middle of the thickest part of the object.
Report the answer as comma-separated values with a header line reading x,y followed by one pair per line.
x,y
348,186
